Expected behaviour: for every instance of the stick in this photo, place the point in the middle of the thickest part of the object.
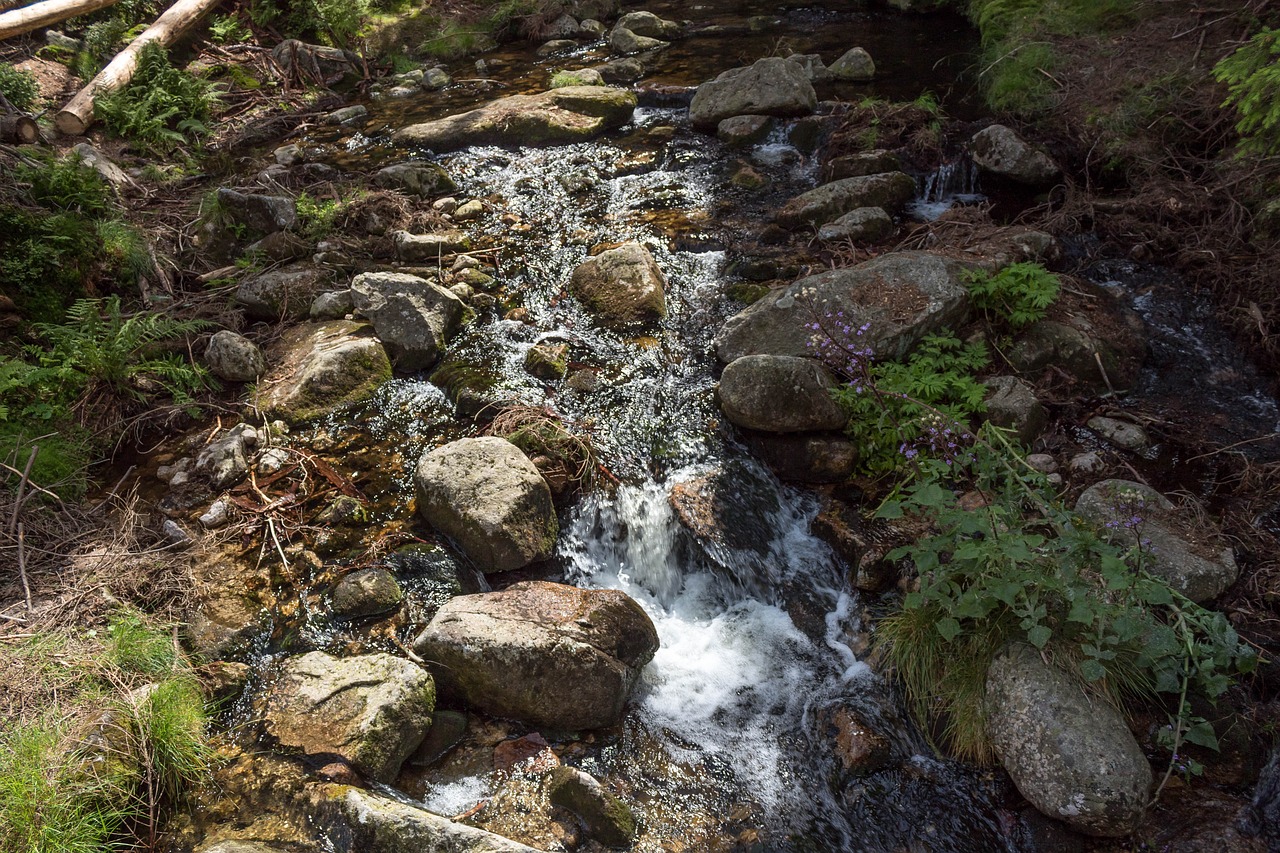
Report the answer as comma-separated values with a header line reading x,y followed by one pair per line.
x,y
74,119
22,487
19,21
22,566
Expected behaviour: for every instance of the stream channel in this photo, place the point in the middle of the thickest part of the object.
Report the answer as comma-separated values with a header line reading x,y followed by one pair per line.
x,y
728,741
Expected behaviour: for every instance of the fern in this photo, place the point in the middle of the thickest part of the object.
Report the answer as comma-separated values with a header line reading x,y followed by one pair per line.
x,y
163,108
1252,75
1016,296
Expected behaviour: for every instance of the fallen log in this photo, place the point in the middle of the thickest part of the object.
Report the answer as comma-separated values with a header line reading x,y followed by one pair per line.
x,y
74,119
19,129
18,21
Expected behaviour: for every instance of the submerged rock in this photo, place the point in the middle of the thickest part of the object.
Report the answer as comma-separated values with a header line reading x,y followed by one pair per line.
x,y
607,818
558,117
486,496
772,86
889,191
1000,151
903,296
1187,551
366,592
322,367
543,653
621,286
373,710
413,317
1072,756
740,131
776,393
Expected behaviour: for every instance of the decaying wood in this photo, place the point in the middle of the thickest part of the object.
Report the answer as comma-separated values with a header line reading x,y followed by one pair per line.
x,y
18,21
75,118
18,129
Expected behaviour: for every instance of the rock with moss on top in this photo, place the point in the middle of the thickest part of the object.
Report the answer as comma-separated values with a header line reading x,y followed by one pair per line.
x,y
321,368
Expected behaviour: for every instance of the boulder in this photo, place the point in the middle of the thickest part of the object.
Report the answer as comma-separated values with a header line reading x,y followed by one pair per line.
x,y
863,163
322,367
412,317
1075,352
1122,434
365,592
333,305
780,393
258,214
889,191
1000,151
903,296
556,46
346,115
621,72
1012,404
772,86
626,42
806,458
542,653
1178,545
284,293
621,286
1071,755
372,710
234,357
812,65
558,117
547,361
649,25
486,496
861,225
740,131
855,65
429,247
416,177
353,819
607,819
225,459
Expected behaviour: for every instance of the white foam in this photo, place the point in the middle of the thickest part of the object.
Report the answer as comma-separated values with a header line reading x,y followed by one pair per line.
x,y
454,798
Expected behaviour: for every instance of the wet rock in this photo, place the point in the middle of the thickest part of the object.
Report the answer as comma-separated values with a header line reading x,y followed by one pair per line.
x,y
621,286
806,458
903,296
812,65
621,71
543,653
556,46
354,819
470,384
855,65
486,496
223,681
413,317
741,131
772,86
583,381
649,25
889,191
862,225
434,79
863,163
227,626
860,749
258,214
322,367
429,247
373,710
861,544
1188,552
234,357
1074,352
1089,462
447,730
625,42
332,306
347,115
364,593
237,846
775,393
1000,151
558,117
225,459
607,819
1071,756
285,293
547,361
530,755
416,177
581,77
1012,404
748,178
468,210
1122,434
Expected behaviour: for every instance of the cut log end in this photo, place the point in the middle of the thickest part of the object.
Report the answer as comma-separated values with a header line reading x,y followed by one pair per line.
x,y
69,122
19,130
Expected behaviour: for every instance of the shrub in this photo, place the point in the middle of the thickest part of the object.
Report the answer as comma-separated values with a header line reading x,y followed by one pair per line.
x,y
1252,75
163,107
19,87
1016,296
65,185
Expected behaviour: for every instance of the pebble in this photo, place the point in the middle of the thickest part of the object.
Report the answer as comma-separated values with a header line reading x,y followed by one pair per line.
x,y
470,210
1088,462
272,460
445,205
175,533
1043,462
1125,435
218,514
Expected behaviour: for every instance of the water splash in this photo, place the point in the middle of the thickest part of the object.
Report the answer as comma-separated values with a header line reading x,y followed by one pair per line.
x,y
953,183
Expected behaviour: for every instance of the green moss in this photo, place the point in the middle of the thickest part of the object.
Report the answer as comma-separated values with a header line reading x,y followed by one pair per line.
x,y
747,292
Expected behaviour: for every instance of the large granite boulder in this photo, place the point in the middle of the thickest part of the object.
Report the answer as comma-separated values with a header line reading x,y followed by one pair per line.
x,y
855,65
621,286
558,117
903,296
1067,348
543,653
322,367
373,710
486,496
889,191
1178,545
284,293
258,214
780,393
1071,755
1000,151
413,317
772,86
636,32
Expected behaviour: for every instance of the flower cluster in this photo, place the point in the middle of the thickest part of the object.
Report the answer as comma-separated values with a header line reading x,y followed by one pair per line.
x,y
839,344
938,439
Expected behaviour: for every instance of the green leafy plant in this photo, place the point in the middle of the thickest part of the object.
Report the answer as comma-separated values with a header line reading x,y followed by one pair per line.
x,y
65,185
163,107
228,29
1252,75
1016,296
19,87
316,217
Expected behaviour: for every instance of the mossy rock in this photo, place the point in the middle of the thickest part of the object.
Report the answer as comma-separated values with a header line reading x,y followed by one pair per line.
x,y
547,361
607,818
323,367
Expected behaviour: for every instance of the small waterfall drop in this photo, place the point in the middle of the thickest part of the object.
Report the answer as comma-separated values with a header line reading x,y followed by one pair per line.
x,y
952,183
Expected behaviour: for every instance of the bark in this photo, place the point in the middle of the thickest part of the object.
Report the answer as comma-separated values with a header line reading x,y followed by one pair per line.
x,y
18,21
76,117
18,129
